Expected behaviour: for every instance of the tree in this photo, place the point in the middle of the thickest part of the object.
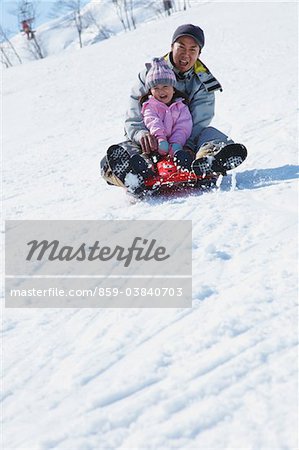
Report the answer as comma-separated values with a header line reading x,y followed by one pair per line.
x,y
5,57
177,4
6,48
27,16
103,31
131,10
125,12
157,7
34,47
73,10
119,6
168,6
25,11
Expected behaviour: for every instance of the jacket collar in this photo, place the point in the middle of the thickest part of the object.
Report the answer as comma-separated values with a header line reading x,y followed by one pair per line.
x,y
198,68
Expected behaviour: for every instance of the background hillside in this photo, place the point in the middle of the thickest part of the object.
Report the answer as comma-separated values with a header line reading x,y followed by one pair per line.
x,y
219,375
97,20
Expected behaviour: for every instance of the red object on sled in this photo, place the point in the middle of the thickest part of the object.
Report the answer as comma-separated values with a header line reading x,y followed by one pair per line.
x,y
168,174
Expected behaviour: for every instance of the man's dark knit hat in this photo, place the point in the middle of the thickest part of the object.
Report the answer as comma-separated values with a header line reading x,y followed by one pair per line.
x,y
189,30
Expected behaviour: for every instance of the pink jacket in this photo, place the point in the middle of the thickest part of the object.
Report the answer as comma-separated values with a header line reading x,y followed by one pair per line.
x,y
171,123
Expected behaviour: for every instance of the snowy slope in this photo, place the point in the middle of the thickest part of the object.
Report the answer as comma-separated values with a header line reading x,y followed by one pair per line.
x,y
219,375
60,33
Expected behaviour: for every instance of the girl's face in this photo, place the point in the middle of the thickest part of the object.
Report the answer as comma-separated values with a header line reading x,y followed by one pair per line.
x,y
163,93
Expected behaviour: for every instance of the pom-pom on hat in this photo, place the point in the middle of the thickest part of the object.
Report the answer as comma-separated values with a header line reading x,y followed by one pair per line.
x,y
189,30
159,73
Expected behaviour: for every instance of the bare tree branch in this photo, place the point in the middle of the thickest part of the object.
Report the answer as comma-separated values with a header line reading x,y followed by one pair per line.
x,y
120,12
4,57
73,9
4,38
90,19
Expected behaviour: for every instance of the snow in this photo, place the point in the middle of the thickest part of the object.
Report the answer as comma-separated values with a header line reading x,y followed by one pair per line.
x,y
219,375
132,181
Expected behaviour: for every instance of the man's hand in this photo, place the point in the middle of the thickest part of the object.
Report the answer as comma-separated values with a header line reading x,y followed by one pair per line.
x,y
148,143
189,150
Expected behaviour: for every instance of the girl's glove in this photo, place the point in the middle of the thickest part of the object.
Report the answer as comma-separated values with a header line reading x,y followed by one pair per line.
x,y
163,147
176,148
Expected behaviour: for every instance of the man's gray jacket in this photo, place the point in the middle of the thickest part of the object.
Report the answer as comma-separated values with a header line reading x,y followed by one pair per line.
x,y
198,84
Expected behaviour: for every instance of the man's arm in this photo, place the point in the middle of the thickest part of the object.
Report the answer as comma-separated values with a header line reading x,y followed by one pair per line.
x,y
134,125
202,108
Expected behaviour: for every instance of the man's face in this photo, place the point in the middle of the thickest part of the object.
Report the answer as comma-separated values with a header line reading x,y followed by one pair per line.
x,y
185,52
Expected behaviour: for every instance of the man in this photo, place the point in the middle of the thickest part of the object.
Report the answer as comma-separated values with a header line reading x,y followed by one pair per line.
x,y
207,149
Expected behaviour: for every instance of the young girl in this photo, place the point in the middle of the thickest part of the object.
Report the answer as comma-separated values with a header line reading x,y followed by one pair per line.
x,y
165,113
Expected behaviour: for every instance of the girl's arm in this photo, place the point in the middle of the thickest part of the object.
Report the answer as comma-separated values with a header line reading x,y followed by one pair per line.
x,y
182,128
153,122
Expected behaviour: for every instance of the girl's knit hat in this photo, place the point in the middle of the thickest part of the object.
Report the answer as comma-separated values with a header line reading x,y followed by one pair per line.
x,y
159,73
